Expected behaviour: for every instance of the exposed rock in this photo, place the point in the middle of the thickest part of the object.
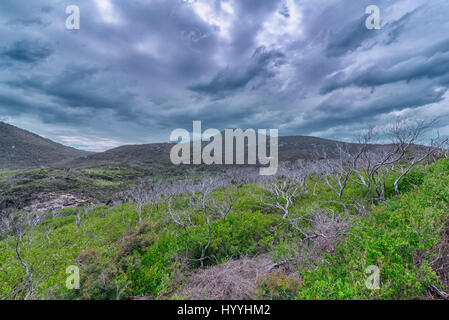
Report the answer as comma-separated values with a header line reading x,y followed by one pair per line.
x,y
53,201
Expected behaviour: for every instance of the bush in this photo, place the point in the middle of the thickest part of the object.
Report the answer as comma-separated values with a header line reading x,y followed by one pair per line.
x,y
279,287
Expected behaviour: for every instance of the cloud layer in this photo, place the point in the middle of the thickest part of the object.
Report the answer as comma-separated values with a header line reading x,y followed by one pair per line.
x,y
138,69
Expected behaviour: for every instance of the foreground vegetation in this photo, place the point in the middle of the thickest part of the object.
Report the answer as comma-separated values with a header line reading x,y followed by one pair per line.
x,y
120,257
370,224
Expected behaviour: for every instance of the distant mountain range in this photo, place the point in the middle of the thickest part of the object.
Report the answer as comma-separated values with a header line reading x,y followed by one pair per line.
x,y
157,155
21,149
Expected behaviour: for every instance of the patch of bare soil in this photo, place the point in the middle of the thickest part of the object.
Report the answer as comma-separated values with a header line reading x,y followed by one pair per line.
x,y
52,201
233,280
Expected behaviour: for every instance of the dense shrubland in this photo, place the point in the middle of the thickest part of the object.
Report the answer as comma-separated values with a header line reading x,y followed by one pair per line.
x,y
322,223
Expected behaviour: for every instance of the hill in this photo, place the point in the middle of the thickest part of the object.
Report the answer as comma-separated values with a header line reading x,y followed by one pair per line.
x,y
21,149
291,148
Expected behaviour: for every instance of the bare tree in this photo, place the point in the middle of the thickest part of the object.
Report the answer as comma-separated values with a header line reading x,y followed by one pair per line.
x,y
78,218
174,199
223,205
200,199
243,175
145,193
284,189
336,172
180,217
371,164
181,197
18,226
374,167
81,213
139,196
405,135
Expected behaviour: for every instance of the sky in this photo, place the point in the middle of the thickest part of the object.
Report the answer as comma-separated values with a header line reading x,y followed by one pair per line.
x,y
138,69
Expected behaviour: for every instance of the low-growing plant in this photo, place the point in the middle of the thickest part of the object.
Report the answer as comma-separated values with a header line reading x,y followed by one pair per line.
x,y
279,286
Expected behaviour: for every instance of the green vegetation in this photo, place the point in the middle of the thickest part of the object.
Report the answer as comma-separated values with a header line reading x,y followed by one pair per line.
x,y
20,188
120,258
401,238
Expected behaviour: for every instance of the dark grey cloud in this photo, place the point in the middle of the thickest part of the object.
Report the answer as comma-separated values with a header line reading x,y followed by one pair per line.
x,y
413,68
349,38
249,18
340,107
26,22
27,51
262,64
138,69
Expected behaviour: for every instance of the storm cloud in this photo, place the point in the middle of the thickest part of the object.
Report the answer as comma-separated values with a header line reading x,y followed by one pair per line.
x,y
136,69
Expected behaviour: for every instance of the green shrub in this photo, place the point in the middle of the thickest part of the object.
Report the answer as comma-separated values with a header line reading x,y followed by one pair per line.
x,y
399,238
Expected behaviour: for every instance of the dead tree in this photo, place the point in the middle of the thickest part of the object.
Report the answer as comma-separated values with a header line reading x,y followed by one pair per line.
x,y
372,164
405,136
138,195
336,172
145,193
201,198
174,199
377,165
182,197
223,205
81,213
284,189
78,218
18,226
242,176
180,217
362,162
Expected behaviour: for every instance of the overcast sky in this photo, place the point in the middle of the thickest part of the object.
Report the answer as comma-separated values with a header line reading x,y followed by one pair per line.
x,y
137,69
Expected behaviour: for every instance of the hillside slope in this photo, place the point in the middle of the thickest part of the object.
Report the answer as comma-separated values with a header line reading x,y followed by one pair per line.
x,y
291,148
406,238
22,149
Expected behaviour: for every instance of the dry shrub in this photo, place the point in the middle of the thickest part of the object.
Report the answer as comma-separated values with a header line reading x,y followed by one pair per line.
x,y
233,280
87,256
279,286
441,263
321,238
328,229
141,238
